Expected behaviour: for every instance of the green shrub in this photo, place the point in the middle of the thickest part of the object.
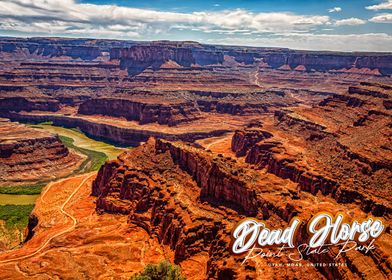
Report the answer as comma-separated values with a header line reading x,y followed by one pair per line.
x,y
162,271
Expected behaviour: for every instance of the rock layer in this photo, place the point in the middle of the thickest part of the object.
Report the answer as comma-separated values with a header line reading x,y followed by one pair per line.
x,y
121,135
169,114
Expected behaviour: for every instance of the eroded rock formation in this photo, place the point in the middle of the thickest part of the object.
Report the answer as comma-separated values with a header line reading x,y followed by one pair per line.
x,y
190,199
316,153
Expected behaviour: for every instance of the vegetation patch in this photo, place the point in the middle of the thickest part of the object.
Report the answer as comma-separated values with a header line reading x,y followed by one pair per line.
x,y
15,216
162,271
94,159
28,190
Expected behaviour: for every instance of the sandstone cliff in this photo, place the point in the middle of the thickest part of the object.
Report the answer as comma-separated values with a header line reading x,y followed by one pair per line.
x,y
138,58
190,199
326,61
144,112
112,133
42,47
17,104
232,108
159,204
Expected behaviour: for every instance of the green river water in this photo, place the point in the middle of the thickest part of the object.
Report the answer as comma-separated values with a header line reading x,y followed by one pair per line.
x,y
18,199
82,141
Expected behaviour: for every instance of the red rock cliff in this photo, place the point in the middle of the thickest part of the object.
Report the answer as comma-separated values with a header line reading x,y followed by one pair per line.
x,y
144,112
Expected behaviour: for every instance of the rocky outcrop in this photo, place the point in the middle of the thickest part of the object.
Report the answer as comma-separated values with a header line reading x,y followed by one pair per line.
x,y
244,56
140,57
205,56
216,178
24,146
143,112
51,50
291,119
187,198
155,200
137,58
348,100
232,108
367,92
263,156
212,175
243,141
272,156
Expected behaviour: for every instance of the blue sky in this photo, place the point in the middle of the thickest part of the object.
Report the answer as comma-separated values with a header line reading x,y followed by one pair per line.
x,y
344,25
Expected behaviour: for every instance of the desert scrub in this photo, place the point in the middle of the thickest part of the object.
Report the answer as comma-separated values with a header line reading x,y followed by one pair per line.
x,y
15,216
162,271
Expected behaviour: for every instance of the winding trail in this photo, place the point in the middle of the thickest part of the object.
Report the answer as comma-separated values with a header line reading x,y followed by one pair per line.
x,y
74,221
256,77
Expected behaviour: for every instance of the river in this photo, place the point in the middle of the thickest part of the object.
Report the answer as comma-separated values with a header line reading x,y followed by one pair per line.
x,y
19,199
82,141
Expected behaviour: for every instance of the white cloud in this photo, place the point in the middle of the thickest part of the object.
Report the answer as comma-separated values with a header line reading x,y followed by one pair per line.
x,y
282,29
382,6
71,17
350,21
349,42
335,10
383,18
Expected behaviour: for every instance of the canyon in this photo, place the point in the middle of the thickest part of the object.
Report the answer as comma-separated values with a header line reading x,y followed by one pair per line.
x,y
214,135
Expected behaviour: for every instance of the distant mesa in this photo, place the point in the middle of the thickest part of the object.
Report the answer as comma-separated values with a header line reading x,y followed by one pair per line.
x,y
138,56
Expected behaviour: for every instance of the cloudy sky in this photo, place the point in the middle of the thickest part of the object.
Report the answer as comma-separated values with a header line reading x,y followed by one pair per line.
x,y
344,25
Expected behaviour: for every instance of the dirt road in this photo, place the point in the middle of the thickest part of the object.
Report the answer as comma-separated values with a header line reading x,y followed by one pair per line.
x,y
72,241
74,221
